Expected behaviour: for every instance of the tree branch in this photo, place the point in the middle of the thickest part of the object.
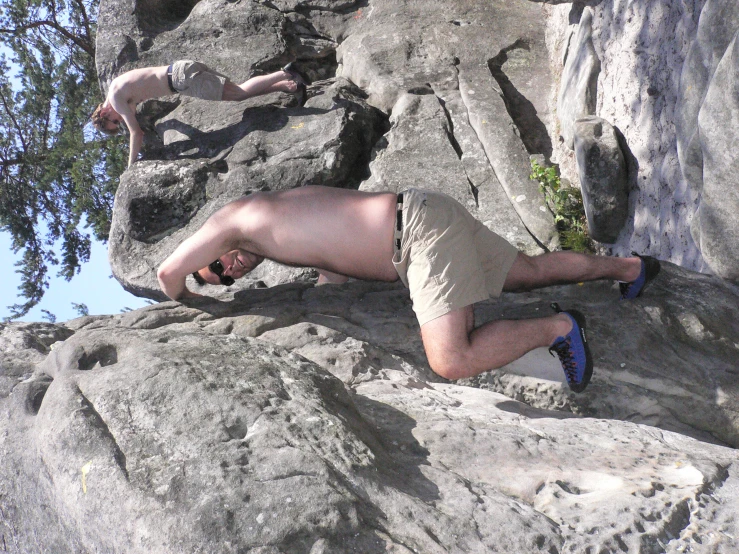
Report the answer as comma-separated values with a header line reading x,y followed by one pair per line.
x,y
85,19
83,44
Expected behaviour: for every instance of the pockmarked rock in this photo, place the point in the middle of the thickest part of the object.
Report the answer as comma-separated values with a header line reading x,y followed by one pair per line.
x,y
282,417
306,419
199,155
717,26
160,203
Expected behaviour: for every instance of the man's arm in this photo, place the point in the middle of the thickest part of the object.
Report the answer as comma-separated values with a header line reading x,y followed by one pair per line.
x,y
134,145
127,110
208,243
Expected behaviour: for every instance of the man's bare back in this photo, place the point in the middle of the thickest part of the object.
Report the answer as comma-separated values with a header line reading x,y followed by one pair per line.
x,y
138,85
343,231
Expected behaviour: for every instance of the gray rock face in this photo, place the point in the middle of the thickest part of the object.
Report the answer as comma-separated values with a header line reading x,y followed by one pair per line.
x,y
718,23
423,123
603,178
658,62
305,419
717,219
160,203
22,346
579,86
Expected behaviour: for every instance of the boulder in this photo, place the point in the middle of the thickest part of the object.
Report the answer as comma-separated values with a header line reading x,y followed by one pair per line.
x,y
251,147
294,418
603,178
652,56
423,123
718,23
199,155
305,419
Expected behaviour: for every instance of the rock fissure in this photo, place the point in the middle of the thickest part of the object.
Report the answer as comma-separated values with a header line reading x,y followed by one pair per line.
x,y
529,127
98,422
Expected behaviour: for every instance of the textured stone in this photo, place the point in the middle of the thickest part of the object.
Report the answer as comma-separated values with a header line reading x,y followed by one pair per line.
x,y
718,23
642,46
191,428
423,123
159,203
718,222
199,155
22,346
297,418
579,85
603,178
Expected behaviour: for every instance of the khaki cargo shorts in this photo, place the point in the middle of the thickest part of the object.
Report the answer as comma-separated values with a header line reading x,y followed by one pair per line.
x,y
197,80
447,258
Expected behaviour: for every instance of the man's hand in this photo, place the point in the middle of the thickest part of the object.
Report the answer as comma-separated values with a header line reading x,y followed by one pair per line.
x,y
328,277
137,139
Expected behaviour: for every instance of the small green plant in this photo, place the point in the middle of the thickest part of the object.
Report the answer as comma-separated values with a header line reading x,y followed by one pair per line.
x,y
566,205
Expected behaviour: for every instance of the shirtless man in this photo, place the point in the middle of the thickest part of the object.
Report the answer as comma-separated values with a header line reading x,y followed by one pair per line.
x,y
190,79
447,258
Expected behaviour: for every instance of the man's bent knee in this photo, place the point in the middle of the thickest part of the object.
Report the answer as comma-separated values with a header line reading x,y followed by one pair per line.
x,y
446,341
449,366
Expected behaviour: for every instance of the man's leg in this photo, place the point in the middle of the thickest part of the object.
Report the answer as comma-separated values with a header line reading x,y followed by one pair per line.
x,y
454,350
279,81
559,268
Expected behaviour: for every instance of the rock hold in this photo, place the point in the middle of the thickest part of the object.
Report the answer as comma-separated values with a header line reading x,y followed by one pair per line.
x,y
603,178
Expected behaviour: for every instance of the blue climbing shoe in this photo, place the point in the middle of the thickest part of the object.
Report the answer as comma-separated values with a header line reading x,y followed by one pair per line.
x,y
573,351
649,270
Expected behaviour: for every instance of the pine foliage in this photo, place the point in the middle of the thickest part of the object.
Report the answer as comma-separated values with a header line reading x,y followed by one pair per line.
x,y
55,172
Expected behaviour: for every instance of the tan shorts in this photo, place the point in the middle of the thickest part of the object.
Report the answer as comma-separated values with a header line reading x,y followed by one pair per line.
x,y
447,258
197,80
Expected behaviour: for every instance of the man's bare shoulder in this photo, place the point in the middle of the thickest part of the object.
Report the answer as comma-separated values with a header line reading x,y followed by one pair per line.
x,y
140,84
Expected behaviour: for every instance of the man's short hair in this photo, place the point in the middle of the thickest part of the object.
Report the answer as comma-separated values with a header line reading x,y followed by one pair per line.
x,y
199,278
98,121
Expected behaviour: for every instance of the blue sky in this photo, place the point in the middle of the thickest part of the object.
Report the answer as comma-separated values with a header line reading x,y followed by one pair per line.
x,y
93,286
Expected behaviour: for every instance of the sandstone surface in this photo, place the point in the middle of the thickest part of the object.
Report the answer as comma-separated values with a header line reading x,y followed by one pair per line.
x,y
305,419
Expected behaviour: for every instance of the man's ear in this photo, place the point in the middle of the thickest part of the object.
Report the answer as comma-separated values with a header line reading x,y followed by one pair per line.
x,y
199,278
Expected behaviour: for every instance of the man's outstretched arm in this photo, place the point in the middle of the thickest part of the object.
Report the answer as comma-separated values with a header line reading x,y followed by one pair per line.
x,y
134,145
196,252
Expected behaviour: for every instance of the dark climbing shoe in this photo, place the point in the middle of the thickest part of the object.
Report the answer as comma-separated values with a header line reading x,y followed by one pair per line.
x,y
573,352
649,270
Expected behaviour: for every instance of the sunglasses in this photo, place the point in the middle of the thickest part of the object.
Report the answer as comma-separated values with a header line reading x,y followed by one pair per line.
x,y
217,268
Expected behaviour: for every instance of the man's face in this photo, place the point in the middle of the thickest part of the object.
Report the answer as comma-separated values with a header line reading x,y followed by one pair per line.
x,y
112,122
236,264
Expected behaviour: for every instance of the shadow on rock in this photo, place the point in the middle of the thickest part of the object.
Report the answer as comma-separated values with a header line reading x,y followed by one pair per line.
x,y
394,431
